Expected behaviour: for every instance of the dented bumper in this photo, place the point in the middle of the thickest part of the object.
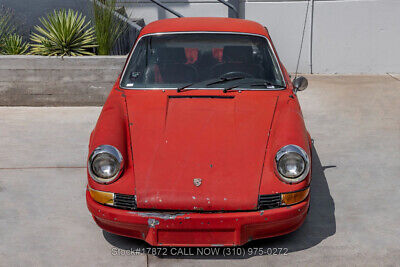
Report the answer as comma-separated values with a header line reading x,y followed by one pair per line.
x,y
198,229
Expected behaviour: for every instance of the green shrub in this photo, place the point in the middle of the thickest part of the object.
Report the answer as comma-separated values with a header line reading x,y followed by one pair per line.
x,y
13,45
6,27
107,26
63,34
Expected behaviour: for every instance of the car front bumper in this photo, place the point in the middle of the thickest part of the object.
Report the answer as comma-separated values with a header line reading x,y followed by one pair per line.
x,y
198,229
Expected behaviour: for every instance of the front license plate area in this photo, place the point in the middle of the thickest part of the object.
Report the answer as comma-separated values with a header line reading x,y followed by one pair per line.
x,y
196,237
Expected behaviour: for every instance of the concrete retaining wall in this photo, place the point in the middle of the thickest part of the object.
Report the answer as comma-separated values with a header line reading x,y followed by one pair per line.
x,y
54,81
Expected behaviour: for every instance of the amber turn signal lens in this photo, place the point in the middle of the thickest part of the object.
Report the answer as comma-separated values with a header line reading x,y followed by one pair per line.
x,y
295,197
102,197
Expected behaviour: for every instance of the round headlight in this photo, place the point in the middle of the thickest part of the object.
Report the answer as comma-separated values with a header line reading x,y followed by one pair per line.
x,y
105,164
292,163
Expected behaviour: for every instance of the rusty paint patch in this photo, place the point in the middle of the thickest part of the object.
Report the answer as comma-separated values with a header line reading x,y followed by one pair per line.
x,y
152,223
197,181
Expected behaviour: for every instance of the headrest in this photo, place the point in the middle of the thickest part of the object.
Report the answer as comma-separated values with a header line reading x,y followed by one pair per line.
x,y
237,54
171,55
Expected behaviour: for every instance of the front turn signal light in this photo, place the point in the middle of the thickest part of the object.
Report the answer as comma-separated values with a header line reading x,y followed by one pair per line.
x,y
102,197
295,197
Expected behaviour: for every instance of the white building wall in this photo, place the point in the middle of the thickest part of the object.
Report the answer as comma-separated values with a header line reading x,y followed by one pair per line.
x,y
356,36
349,36
285,23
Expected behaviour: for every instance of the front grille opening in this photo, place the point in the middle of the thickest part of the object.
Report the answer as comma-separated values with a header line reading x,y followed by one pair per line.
x,y
269,201
123,201
128,202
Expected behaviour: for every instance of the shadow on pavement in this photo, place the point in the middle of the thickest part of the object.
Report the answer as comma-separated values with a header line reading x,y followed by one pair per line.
x,y
319,224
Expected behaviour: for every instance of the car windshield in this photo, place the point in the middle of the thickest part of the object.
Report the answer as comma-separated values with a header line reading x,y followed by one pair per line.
x,y
197,60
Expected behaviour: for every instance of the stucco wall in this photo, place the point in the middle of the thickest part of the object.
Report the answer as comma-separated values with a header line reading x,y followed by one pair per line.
x,y
357,36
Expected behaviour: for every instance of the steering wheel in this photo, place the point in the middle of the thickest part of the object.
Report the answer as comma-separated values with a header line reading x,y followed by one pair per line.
x,y
237,74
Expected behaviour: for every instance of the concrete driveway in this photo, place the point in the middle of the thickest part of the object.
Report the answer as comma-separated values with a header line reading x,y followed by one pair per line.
x,y
355,206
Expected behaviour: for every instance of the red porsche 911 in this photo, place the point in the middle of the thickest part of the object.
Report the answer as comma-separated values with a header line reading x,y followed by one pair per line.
x,y
201,141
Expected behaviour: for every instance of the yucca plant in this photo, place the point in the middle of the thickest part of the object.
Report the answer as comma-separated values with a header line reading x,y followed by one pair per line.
x,y
13,45
107,25
6,27
64,33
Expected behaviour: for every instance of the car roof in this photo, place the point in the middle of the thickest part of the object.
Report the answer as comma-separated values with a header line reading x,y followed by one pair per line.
x,y
212,24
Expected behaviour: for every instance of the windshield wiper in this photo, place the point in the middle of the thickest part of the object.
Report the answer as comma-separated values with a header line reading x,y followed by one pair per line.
x,y
213,81
225,79
266,84
184,87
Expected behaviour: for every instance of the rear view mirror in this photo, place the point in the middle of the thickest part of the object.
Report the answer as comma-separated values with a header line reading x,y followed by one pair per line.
x,y
300,84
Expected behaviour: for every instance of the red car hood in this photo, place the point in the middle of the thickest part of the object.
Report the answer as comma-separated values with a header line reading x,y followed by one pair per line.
x,y
219,140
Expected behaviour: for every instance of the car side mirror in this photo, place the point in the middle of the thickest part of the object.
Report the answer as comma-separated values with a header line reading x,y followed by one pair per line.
x,y
300,84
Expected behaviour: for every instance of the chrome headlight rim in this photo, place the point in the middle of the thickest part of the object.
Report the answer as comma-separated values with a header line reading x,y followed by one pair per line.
x,y
114,152
292,149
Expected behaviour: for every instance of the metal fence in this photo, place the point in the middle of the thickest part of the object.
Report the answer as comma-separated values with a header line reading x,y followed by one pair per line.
x,y
125,42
